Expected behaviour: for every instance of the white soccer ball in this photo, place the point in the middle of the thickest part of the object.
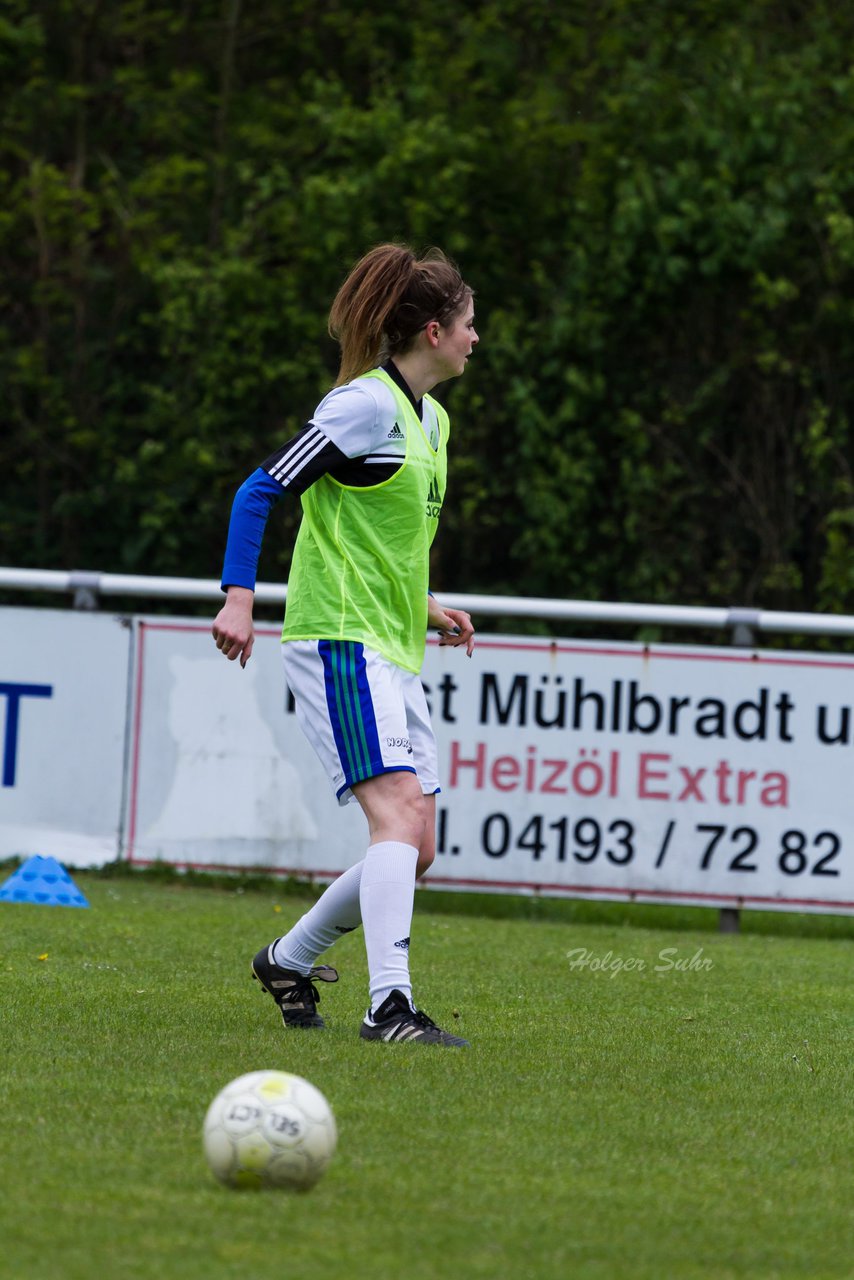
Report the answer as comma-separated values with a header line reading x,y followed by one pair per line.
x,y
269,1129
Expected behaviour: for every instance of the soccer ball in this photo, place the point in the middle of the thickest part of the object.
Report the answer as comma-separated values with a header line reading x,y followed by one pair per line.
x,y
269,1129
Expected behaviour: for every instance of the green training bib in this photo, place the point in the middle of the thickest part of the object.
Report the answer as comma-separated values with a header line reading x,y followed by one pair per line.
x,y
360,567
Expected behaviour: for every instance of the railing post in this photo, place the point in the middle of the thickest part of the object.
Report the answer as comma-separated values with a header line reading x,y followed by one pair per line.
x,y
744,624
729,920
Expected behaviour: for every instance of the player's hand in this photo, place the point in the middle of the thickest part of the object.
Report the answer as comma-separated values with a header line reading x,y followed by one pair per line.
x,y
453,625
233,629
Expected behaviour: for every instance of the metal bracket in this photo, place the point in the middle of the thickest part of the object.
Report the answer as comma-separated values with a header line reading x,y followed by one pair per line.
x,y
745,625
86,587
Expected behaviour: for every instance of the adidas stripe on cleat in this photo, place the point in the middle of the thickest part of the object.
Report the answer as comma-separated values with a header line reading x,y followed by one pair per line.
x,y
295,993
395,1020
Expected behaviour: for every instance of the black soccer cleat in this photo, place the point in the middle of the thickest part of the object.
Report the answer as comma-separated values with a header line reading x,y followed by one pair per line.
x,y
395,1020
294,993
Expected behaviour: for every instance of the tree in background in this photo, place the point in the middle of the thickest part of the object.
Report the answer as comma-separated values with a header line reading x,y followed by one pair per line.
x,y
653,202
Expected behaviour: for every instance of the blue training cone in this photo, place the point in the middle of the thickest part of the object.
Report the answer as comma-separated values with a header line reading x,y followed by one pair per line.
x,y
44,881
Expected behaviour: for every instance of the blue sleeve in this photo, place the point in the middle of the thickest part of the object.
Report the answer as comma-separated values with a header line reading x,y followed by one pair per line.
x,y
252,505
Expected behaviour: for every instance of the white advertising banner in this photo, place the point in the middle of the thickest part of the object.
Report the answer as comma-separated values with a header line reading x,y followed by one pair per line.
x,y
220,773
63,719
710,776
707,776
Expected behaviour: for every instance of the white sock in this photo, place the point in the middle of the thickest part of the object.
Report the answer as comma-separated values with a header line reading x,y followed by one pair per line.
x,y
387,894
335,913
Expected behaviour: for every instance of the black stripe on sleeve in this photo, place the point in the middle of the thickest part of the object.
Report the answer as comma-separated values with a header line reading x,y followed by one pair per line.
x,y
310,454
305,458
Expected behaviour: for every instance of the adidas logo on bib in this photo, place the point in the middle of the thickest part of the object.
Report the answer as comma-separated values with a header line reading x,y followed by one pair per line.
x,y
434,500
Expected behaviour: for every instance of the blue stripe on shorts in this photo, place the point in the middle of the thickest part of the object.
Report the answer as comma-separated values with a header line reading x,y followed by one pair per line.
x,y
351,709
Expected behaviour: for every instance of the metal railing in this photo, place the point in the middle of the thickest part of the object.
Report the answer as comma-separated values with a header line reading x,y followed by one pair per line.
x,y
87,588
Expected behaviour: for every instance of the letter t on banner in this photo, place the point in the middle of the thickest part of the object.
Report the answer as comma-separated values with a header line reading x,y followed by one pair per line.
x,y
13,694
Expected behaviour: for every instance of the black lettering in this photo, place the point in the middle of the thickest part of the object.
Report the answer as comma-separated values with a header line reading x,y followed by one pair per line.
x,y
760,716
647,702
712,724
843,728
579,697
558,720
490,699
447,687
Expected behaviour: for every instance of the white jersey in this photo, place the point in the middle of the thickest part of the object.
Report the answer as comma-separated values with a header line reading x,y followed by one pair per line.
x,y
361,419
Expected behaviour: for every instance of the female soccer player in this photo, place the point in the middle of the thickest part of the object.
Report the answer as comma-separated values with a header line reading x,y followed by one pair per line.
x,y
370,469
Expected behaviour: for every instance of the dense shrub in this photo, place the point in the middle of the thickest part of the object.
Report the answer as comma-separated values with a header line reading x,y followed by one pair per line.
x,y
654,203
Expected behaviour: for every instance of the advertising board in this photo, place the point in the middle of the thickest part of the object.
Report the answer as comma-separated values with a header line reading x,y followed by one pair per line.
x,y
650,773
63,725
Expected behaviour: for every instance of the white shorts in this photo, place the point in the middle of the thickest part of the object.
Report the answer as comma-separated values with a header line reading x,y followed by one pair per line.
x,y
362,714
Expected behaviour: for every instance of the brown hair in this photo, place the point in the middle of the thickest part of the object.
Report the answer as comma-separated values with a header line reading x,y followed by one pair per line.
x,y
388,298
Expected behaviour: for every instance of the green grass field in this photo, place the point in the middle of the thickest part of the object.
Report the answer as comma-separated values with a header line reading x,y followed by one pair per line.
x,y
673,1116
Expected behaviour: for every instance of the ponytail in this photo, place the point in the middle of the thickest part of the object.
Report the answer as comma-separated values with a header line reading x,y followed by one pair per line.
x,y
387,299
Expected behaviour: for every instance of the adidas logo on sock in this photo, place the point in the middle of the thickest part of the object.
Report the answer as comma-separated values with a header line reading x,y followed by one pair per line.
x,y
403,944
395,433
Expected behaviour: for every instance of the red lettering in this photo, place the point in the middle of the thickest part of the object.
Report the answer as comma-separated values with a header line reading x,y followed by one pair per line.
x,y
556,769
723,773
775,790
648,774
457,763
692,784
505,773
613,778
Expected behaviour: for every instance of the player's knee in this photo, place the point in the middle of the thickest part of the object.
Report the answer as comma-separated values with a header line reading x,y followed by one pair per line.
x,y
413,814
394,807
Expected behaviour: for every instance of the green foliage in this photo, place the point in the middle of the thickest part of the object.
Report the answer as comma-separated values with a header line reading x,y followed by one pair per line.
x,y
655,206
